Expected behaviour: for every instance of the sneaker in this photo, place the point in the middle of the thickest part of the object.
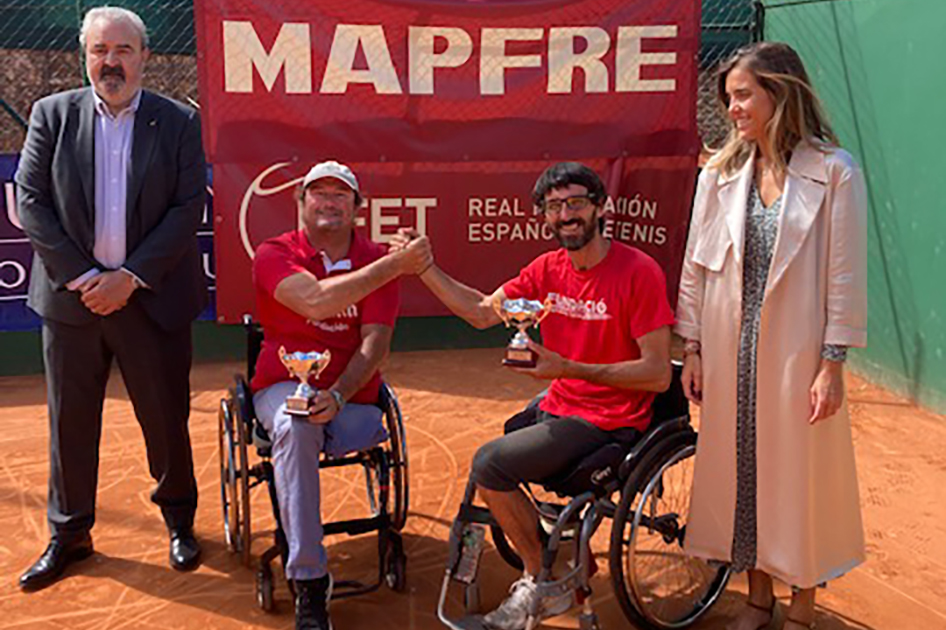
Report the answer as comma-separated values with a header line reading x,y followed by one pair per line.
x,y
513,613
312,598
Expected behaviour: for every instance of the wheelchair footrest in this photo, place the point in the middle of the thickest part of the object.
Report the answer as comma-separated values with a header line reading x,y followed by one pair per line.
x,y
352,588
356,526
475,514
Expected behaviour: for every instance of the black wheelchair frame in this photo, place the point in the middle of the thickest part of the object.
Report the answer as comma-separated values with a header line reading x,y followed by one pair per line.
x,y
386,474
650,509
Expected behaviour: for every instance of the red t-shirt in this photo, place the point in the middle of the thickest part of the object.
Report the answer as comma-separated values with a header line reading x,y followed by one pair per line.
x,y
596,316
292,253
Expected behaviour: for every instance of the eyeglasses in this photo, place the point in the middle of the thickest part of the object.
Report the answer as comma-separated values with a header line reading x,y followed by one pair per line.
x,y
575,203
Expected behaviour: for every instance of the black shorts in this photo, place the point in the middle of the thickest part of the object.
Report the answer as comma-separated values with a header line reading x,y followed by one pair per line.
x,y
538,446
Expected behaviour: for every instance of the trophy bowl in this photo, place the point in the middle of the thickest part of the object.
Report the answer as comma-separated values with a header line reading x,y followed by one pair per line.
x,y
522,314
302,366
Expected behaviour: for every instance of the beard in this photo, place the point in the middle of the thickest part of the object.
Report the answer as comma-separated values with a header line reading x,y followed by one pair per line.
x,y
576,241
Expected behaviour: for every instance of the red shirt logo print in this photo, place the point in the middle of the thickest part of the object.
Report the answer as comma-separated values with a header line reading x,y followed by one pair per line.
x,y
588,310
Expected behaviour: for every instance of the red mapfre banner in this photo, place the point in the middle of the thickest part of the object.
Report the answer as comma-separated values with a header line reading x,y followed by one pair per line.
x,y
448,110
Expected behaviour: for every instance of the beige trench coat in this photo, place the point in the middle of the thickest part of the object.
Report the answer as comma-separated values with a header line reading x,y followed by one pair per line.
x,y
808,512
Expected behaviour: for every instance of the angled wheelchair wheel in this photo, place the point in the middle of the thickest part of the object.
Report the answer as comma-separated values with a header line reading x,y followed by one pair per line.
x,y
395,564
398,458
234,479
264,588
657,585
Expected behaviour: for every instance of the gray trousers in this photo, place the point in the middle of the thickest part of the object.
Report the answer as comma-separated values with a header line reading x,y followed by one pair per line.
x,y
297,446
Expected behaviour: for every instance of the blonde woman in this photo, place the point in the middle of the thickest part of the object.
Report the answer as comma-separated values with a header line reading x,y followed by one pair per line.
x,y
773,292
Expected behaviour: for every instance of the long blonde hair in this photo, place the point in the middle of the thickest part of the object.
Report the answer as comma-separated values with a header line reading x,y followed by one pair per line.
x,y
798,115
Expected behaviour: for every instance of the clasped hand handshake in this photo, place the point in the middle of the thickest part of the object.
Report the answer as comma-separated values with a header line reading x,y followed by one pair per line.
x,y
414,253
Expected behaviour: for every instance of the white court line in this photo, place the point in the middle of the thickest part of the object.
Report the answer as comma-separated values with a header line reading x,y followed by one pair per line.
x,y
909,597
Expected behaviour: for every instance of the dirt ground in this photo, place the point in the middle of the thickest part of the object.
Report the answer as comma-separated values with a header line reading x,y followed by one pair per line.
x,y
453,401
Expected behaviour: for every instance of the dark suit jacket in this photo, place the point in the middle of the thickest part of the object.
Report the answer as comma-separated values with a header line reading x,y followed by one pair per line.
x,y
165,201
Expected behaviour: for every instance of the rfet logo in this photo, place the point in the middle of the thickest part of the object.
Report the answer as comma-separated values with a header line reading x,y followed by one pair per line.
x,y
268,207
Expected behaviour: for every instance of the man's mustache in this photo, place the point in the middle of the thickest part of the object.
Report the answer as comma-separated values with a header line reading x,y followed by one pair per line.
x,y
109,71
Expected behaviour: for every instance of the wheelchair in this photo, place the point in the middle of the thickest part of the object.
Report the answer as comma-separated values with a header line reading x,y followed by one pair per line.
x,y
386,478
645,491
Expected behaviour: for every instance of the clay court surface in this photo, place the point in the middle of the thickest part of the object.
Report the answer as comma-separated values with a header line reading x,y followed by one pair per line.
x,y
454,401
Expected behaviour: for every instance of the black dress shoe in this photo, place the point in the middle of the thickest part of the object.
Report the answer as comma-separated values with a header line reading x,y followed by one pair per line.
x,y
185,550
53,562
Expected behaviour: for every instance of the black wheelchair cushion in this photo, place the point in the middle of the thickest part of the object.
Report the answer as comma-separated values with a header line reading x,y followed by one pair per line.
x,y
594,473
525,418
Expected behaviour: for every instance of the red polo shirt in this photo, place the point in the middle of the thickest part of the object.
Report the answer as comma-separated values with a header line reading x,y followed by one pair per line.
x,y
291,253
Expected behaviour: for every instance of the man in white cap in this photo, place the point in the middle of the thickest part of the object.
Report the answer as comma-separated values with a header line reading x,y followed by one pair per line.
x,y
323,287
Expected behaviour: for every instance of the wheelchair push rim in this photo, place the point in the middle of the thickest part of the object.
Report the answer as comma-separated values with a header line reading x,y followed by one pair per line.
x,y
227,476
399,460
234,481
667,588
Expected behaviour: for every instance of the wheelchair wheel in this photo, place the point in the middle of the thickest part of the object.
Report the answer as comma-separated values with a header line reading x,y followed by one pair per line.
x,y
395,564
234,480
657,585
264,588
398,461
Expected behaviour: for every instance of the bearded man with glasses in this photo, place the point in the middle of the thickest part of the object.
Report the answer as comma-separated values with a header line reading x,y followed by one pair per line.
x,y
606,354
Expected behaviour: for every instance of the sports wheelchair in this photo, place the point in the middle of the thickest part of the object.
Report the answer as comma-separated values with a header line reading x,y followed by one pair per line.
x,y
645,491
386,478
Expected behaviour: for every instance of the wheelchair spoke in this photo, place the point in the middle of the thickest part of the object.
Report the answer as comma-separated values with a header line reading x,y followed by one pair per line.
x,y
670,589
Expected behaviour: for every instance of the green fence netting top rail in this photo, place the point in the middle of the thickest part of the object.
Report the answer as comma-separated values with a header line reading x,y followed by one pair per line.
x,y
39,54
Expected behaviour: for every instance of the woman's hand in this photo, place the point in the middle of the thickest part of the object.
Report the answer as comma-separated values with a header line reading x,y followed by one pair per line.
x,y
692,378
827,392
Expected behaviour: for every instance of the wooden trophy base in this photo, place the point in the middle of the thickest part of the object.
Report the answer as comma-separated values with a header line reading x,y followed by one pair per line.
x,y
298,406
524,357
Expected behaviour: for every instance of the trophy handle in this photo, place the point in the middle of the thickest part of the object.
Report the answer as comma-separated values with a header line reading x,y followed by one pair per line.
x,y
546,309
498,307
323,362
285,359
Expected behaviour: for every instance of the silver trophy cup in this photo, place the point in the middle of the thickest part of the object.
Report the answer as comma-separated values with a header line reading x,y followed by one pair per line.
x,y
523,314
302,365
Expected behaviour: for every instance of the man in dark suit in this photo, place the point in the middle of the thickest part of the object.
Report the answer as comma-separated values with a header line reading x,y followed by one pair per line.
x,y
110,191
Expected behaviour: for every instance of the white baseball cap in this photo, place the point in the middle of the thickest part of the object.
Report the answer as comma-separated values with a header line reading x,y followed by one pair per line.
x,y
331,168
